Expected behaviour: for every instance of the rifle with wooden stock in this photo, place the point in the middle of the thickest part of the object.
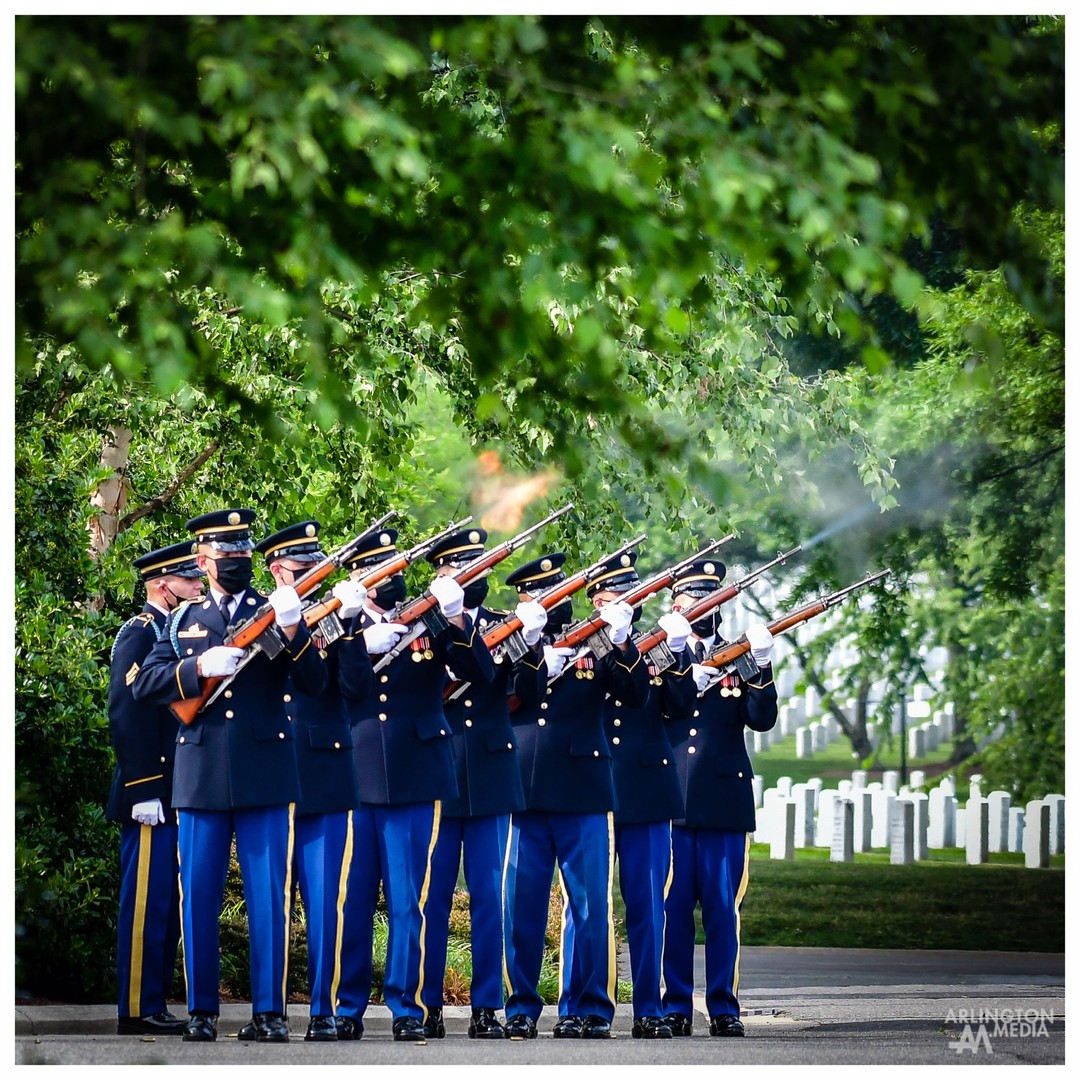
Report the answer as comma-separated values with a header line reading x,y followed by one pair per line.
x,y
506,630
422,614
653,643
257,634
733,656
591,629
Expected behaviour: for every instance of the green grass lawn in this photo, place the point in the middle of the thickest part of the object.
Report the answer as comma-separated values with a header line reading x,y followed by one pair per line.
x,y
836,762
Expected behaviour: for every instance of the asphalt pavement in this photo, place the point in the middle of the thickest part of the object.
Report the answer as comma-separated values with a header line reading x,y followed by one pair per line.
x,y
800,1006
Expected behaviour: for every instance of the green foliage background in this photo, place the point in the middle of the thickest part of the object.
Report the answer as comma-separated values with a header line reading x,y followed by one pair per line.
x,y
797,277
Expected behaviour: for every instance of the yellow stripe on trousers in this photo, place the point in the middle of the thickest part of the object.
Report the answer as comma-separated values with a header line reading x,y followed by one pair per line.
x,y
436,819
339,909
138,922
285,905
738,914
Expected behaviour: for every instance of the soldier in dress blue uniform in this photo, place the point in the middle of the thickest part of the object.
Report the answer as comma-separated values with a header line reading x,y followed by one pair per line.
x,y
567,822
328,792
647,790
476,823
405,768
144,738
711,842
235,769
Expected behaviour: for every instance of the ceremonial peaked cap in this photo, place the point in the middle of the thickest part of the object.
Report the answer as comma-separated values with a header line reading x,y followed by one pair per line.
x,y
299,542
538,574
176,559
618,575
700,578
224,530
458,548
375,547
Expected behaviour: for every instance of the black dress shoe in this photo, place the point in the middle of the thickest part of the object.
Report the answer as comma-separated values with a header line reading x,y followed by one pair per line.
x,y
321,1029
162,1023
349,1029
520,1027
680,1025
434,1028
201,1027
265,1027
568,1027
596,1027
485,1025
650,1027
726,1025
409,1029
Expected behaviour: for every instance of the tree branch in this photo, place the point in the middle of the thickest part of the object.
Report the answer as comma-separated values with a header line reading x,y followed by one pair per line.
x,y
158,501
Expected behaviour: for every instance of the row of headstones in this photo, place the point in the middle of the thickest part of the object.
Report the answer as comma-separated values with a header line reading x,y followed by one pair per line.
x,y
858,817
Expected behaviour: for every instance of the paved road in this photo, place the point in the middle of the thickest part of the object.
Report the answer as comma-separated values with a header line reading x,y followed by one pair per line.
x,y
800,1006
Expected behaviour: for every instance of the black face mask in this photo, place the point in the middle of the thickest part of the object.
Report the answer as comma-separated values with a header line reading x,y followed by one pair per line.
x,y
559,616
475,592
390,593
707,625
233,574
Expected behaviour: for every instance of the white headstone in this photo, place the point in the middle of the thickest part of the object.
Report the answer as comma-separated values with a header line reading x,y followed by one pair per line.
x,y
783,785
890,780
1015,837
944,722
872,733
842,844
823,831
883,801
817,735
803,796
976,829
920,803
941,819
748,741
975,786
933,736
916,779
1037,835
761,741
759,791
858,778
1056,803
923,692
804,743
948,785
916,743
797,704
845,787
788,721
998,803
782,842
813,702
768,819
864,818
901,833
960,836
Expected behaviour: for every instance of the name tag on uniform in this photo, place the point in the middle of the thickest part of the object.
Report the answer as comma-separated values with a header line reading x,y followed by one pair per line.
x,y
195,631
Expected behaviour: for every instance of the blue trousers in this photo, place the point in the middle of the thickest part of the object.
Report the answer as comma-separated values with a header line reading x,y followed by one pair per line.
x,y
148,922
394,845
644,854
709,867
264,842
482,843
581,846
323,854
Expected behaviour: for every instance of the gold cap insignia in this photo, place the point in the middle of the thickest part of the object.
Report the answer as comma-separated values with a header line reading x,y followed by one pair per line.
x,y
384,539
310,530
545,564
234,518
625,560
710,568
474,537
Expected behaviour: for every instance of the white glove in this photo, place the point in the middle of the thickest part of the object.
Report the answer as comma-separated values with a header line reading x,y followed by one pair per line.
x,y
704,676
450,594
148,813
618,615
352,596
677,629
381,637
286,604
219,661
555,659
533,616
761,643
